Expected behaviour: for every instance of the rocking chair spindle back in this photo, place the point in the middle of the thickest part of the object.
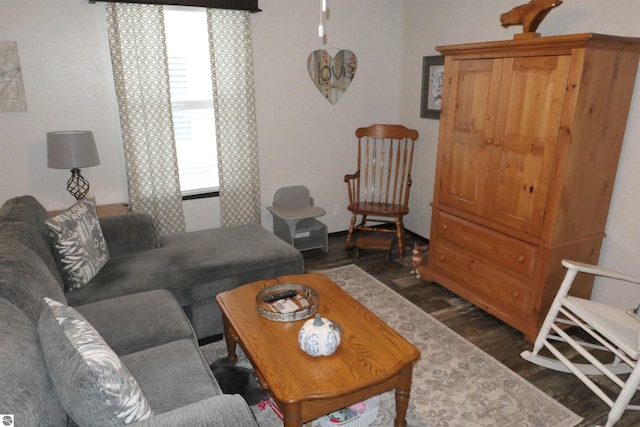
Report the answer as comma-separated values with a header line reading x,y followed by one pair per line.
x,y
381,185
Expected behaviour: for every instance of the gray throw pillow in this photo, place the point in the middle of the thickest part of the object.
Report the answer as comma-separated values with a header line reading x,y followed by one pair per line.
x,y
94,386
78,242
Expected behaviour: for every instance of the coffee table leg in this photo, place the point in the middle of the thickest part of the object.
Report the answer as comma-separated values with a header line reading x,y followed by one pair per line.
x,y
231,340
402,396
292,415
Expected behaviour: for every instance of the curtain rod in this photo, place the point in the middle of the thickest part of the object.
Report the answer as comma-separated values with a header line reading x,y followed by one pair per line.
x,y
250,5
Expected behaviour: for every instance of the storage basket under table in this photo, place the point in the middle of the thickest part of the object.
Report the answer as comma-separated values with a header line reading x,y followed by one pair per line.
x,y
361,420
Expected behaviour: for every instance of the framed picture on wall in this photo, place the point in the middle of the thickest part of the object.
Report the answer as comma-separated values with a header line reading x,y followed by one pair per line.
x,y
432,76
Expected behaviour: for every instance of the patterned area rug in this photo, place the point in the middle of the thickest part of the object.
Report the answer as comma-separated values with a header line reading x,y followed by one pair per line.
x,y
455,384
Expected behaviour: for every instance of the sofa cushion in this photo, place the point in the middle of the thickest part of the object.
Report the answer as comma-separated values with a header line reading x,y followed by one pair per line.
x,y
228,410
25,279
172,375
78,242
24,208
128,233
22,218
26,390
157,316
93,384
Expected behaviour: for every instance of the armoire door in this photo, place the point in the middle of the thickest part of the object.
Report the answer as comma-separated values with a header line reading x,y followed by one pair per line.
x,y
466,155
527,124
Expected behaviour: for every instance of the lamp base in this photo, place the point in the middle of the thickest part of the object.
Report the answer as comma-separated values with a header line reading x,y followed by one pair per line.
x,y
77,185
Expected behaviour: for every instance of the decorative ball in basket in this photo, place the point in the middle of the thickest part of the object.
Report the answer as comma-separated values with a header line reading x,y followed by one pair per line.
x,y
319,336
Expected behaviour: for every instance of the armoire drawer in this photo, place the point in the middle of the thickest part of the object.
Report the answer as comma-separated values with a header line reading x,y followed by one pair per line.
x,y
512,254
478,281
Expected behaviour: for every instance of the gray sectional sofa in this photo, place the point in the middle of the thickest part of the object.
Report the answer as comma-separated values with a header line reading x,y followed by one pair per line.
x,y
150,303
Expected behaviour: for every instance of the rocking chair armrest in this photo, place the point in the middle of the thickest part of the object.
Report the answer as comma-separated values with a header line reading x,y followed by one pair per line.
x,y
598,271
352,176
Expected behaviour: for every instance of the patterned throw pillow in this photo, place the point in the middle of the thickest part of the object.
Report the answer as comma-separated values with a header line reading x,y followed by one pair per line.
x,y
94,386
79,244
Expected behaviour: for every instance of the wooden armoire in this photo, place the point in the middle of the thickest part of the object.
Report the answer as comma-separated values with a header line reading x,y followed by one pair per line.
x,y
530,136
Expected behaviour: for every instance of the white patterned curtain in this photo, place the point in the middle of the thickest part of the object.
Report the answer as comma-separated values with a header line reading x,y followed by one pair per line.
x,y
234,100
141,75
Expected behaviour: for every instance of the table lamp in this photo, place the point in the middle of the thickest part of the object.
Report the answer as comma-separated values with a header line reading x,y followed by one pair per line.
x,y
73,150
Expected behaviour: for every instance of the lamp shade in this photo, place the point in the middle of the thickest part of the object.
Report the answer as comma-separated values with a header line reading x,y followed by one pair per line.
x,y
71,149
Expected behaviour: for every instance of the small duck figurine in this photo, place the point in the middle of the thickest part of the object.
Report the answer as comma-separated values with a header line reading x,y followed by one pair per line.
x,y
417,259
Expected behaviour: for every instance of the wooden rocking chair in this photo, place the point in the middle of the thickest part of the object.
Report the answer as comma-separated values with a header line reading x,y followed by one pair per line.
x,y
604,330
381,185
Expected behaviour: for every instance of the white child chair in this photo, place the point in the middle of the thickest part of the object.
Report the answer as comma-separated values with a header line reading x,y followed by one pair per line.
x,y
294,219
613,333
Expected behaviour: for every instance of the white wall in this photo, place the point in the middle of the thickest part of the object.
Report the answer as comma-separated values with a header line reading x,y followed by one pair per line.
x,y
68,84
303,139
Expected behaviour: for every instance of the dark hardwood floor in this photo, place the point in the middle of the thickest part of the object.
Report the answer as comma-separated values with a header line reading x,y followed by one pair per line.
x,y
488,333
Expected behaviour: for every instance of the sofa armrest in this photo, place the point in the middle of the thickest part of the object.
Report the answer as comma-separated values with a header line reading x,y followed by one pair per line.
x,y
128,233
219,411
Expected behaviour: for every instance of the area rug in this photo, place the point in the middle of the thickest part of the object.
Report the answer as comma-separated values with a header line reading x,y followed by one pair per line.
x,y
455,384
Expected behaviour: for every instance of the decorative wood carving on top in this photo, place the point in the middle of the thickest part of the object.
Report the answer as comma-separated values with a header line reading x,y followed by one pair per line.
x,y
528,15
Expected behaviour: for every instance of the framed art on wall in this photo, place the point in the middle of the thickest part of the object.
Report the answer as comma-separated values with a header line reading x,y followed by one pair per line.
x,y
432,75
12,97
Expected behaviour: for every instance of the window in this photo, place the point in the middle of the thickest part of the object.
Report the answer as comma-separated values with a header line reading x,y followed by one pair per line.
x,y
192,99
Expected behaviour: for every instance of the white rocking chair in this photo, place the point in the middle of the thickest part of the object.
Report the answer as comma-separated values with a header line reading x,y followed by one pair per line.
x,y
609,329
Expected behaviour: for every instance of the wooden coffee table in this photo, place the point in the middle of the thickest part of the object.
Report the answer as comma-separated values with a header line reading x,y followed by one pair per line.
x,y
372,358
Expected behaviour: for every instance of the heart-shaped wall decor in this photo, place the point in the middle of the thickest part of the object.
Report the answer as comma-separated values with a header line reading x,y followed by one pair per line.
x,y
332,75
